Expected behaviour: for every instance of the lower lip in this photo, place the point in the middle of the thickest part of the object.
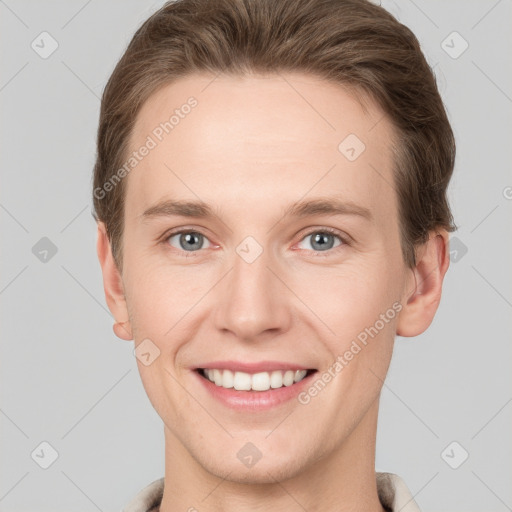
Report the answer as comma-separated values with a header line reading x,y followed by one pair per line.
x,y
254,400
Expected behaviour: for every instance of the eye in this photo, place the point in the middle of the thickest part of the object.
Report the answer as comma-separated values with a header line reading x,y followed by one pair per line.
x,y
189,241
323,240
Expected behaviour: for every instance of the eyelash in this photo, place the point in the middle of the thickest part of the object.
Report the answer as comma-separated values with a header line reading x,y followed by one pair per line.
x,y
329,252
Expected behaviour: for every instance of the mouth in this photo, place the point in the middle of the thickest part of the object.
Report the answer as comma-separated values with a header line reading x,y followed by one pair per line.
x,y
254,382
252,386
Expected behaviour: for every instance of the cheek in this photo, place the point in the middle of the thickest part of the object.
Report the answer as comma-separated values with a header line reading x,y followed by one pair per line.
x,y
160,296
361,305
352,297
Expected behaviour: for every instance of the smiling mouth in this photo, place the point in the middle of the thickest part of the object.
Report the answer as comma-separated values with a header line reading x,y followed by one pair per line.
x,y
262,381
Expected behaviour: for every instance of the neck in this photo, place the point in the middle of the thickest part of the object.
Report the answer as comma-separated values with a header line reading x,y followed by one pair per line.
x,y
343,480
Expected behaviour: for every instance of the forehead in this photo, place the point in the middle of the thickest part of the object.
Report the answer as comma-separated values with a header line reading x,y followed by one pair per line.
x,y
268,139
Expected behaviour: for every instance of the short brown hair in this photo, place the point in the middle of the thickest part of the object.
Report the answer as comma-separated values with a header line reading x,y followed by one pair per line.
x,y
350,42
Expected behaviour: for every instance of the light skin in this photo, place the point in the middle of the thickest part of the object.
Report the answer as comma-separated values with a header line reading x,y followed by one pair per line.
x,y
250,148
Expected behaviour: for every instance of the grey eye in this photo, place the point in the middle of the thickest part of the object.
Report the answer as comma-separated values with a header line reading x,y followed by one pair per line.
x,y
322,240
188,240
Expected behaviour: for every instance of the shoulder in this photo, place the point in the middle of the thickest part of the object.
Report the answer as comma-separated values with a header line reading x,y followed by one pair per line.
x,y
147,499
394,494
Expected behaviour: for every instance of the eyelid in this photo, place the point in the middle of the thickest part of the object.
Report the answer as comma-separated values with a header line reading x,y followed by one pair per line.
x,y
346,239
178,231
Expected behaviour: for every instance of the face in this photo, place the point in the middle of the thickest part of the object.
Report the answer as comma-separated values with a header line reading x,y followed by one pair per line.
x,y
288,259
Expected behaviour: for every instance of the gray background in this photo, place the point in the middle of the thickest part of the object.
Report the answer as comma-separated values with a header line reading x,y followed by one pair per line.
x,y
67,380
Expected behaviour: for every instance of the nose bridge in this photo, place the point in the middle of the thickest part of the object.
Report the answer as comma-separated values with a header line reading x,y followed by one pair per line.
x,y
253,300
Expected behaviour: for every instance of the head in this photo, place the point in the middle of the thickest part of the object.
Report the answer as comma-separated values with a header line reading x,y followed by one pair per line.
x,y
247,108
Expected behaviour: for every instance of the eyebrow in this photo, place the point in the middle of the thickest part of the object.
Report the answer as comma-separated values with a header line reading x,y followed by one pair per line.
x,y
199,209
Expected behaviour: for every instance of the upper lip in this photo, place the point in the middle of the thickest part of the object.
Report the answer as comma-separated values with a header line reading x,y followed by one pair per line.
x,y
255,367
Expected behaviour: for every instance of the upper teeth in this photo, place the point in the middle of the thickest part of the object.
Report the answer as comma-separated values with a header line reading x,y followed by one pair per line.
x,y
257,382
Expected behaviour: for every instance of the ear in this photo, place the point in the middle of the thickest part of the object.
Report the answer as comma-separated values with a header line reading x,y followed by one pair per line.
x,y
424,286
113,285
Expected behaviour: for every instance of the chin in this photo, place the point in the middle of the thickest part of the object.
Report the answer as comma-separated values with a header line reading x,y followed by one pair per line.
x,y
263,472
242,461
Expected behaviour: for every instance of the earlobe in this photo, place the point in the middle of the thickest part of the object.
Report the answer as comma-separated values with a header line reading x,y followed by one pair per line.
x,y
113,285
421,299
123,330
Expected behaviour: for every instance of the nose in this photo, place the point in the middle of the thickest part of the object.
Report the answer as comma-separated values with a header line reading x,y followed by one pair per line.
x,y
253,302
